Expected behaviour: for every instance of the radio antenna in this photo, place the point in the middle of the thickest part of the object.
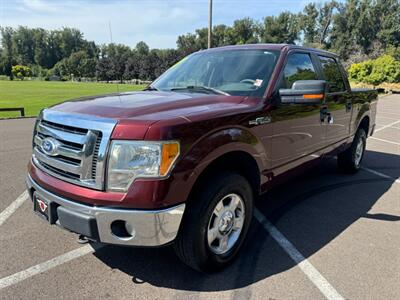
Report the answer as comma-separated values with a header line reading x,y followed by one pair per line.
x,y
111,41
109,28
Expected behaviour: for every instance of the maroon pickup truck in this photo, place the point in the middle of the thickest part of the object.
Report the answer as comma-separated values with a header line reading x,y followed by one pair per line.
x,y
183,160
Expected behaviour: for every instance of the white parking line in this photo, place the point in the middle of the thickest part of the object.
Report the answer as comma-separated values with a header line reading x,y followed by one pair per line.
x,y
387,126
381,174
380,111
391,127
40,268
382,140
308,269
5,214
389,118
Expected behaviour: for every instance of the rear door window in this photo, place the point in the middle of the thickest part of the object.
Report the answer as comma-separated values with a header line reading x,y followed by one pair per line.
x,y
332,74
298,67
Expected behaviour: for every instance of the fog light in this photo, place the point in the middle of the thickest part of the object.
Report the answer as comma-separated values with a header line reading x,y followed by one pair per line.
x,y
120,229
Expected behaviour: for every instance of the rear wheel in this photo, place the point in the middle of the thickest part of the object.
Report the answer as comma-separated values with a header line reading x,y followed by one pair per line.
x,y
215,223
350,160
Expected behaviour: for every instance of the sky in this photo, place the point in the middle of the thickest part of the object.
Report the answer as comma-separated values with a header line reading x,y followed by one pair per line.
x,y
157,22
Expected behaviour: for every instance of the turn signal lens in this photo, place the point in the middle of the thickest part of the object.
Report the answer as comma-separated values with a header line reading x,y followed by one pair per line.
x,y
313,96
170,152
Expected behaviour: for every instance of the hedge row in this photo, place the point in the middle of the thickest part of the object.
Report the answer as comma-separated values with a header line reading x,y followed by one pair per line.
x,y
383,69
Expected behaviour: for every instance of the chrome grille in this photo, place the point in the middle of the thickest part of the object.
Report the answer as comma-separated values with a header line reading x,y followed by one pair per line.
x,y
96,154
72,147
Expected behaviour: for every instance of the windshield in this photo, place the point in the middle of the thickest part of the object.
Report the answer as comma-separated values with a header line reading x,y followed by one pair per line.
x,y
234,72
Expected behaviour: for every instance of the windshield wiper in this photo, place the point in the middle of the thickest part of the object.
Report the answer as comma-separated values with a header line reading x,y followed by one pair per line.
x,y
150,88
200,88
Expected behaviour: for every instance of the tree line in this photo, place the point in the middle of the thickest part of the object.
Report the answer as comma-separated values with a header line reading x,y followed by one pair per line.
x,y
357,30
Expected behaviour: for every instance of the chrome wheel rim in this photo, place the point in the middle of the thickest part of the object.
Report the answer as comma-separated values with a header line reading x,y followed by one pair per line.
x,y
359,152
225,224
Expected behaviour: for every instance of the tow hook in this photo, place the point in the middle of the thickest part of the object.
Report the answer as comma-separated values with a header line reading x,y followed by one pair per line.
x,y
82,239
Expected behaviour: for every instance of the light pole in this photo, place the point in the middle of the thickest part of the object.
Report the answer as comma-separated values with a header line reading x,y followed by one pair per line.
x,y
210,4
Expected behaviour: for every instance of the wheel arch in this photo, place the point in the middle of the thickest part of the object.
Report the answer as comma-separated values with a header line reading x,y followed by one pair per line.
x,y
237,161
230,148
364,124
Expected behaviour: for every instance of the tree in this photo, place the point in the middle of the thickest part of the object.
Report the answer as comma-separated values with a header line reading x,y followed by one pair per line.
x,y
113,57
132,67
142,48
281,29
243,31
8,50
220,36
41,50
308,23
78,65
325,19
104,69
161,60
21,71
360,26
342,36
71,41
24,45
187,44
387,15
364,29
54,42
357,30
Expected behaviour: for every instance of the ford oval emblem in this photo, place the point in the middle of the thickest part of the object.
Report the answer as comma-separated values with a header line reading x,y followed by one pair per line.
x,y
49,146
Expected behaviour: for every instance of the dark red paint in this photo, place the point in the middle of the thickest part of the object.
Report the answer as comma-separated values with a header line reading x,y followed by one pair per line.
x,y
209,126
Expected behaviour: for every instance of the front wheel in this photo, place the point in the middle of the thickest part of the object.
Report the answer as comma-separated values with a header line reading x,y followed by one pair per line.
x,y
350,160
215,223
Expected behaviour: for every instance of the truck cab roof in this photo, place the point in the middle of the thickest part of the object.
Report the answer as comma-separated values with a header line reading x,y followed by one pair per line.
x,y
276,47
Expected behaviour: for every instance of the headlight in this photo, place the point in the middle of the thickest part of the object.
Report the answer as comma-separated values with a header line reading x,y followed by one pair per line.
x,y
129,160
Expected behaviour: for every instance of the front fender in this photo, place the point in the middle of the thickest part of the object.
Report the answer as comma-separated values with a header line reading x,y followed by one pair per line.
x,y
223,141
204,151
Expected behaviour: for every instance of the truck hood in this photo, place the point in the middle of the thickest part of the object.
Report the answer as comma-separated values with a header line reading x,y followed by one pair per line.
x,y
149,106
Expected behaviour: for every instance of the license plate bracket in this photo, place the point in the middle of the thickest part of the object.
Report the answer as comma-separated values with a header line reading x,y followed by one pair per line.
x,y
41,207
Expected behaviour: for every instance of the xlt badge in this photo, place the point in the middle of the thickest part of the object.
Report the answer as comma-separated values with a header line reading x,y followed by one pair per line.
x,y
260,121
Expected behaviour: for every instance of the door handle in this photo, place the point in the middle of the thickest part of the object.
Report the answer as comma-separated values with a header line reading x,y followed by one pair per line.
x,y
349,105
324,113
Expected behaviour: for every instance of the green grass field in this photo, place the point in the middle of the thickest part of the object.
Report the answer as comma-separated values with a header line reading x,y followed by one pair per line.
x,y
35,95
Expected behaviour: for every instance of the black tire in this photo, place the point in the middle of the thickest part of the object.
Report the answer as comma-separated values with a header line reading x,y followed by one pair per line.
x,y
191,244
347,160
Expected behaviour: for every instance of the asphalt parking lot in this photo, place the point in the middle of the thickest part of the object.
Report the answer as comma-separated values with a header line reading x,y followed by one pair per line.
x,y
329,235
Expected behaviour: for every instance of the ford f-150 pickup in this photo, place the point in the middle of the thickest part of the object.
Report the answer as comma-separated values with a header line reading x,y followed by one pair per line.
x,y
182,161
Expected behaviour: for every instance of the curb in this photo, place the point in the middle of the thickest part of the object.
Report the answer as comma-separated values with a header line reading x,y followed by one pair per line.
x,y
13,118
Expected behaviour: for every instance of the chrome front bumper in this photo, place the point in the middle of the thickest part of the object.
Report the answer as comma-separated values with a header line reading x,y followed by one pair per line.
x,y
143,227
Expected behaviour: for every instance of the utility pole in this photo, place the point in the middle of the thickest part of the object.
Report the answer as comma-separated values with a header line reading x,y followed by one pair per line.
x,y
210,4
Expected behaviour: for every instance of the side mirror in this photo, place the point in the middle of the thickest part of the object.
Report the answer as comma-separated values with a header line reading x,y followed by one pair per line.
x,y
304,92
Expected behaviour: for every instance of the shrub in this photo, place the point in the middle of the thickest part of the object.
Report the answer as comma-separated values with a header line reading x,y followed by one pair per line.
x,y
383,69
21,72
388,68
358,72
39,72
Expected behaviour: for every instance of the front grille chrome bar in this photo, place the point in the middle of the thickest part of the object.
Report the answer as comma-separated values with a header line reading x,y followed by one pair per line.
x,y
62,150
78,147
61,135
57,163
